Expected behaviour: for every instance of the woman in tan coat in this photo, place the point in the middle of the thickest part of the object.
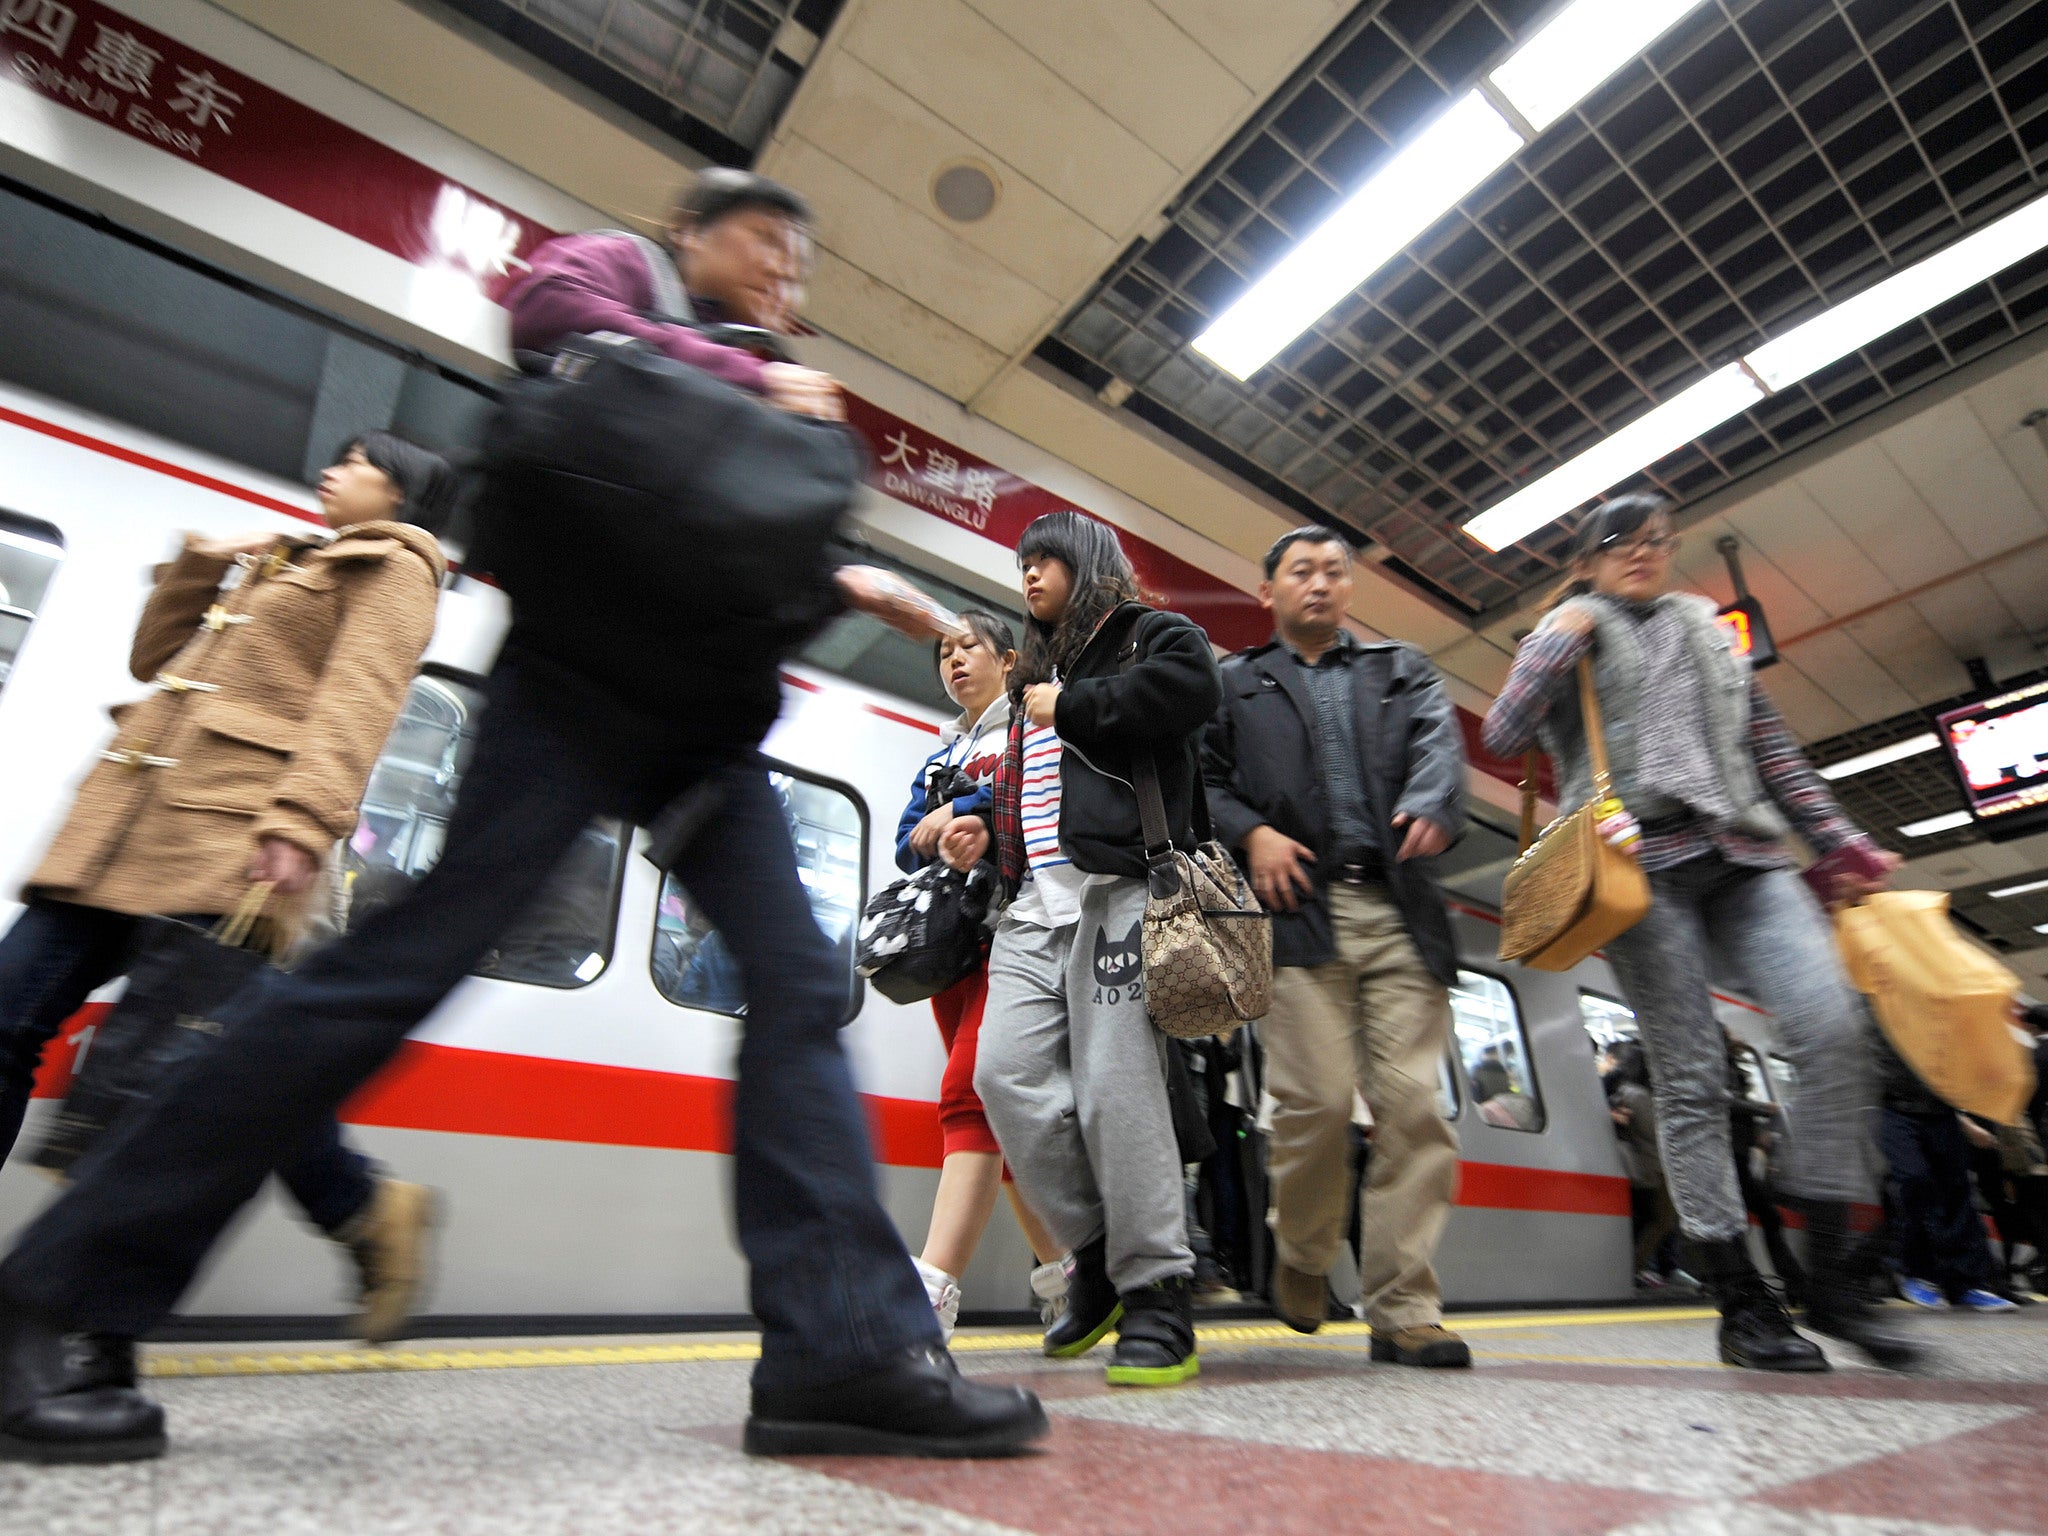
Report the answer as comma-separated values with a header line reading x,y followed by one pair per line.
x,y
279,664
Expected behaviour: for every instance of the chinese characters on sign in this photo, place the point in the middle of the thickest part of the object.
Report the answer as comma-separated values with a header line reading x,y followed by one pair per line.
x,y
115,75
927,475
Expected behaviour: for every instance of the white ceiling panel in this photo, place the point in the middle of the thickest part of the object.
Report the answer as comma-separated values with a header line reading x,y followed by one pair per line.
x,y
1260,40
1968,614
896,142
880,320
995,91
1808,708
901,247
1478,661
1958,471
1877,507
1852,677
1912,651
1800,538
1134,63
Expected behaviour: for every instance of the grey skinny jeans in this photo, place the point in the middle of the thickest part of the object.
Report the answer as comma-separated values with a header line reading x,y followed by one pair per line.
x,y
1764,927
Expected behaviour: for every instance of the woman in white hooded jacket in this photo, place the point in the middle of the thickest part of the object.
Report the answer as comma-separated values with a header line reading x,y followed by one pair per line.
x,y
954,782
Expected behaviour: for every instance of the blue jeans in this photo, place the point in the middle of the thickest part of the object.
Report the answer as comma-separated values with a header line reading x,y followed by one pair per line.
x,y
1936,1232
832,1283
1763,926
53,957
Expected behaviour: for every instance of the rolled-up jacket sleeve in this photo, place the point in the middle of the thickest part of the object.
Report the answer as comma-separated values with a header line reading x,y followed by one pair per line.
x,y
185,589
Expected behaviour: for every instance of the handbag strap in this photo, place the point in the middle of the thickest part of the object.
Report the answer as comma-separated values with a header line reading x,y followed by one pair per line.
x,y
1596,745
1151,803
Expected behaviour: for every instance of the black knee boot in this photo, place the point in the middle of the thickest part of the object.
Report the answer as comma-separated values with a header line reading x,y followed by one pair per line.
x,y
1839,1302
1756,1330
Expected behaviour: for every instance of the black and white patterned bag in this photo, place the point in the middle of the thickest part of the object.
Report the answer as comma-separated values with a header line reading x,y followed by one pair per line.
x,y
924,933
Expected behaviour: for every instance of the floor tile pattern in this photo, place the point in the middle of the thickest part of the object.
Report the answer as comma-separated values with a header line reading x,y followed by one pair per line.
x,y
1617,1424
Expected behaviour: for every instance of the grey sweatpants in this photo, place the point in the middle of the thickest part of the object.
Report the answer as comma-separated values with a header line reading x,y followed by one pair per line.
x,y
1073,1076
1764,927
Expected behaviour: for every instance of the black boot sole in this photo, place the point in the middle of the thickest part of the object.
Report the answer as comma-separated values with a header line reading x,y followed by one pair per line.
x,y
783,1437
54,1453
1811,1367
1892,1354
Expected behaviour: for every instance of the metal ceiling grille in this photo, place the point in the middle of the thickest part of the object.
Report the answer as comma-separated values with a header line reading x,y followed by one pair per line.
x,y
1764,158
712,59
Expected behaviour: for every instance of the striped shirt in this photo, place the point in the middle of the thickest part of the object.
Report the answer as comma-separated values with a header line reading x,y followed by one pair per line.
x,y
1040,801
1541,678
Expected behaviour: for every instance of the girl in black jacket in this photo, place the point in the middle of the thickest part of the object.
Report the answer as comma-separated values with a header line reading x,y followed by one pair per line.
x,y
1071,1071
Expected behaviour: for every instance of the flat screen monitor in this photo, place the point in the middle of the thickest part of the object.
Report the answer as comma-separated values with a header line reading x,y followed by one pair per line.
x,y
1999,749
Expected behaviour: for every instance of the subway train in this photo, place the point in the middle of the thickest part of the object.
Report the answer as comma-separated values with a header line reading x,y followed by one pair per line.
x,y
570,1100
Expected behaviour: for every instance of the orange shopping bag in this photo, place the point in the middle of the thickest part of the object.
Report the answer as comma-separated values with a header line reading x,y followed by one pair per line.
x,y
1945,1005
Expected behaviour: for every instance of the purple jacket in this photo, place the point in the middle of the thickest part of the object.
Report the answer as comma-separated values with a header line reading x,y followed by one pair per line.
x,y
582,284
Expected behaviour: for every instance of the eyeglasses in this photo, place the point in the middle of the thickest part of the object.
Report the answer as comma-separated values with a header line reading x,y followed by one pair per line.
x,y
1654,544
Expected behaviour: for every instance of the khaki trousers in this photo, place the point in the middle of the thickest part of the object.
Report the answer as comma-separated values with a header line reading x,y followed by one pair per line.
x,y
1376,1018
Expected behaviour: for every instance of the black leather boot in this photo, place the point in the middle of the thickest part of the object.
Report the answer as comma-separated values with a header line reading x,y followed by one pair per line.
x,y
1838,1293
916,1404
70,1397
1756,1330
1155,1346
1092,1304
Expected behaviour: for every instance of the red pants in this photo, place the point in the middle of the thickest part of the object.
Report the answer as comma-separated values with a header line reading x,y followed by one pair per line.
x,y
963,1123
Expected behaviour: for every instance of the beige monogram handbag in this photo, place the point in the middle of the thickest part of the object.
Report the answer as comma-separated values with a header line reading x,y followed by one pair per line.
x,y
1571,890
1208,943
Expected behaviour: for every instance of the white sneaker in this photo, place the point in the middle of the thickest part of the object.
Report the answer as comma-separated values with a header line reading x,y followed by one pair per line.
x,y
944,1292
1049,1285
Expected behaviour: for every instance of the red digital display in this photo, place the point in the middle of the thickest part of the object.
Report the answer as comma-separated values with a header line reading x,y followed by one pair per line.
x,y
1749,633
1999,747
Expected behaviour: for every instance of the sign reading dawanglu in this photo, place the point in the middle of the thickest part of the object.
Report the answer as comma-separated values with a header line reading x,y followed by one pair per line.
x,y
927,472
109,67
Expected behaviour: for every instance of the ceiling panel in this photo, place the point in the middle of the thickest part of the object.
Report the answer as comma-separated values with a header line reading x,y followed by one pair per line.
x,y
995,91
896,142
1851,677
1134,63
1877,507
1953,464
1911,652
1258,42
1807,707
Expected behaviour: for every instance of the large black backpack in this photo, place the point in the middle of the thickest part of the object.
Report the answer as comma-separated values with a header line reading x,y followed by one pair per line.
x,y
659,531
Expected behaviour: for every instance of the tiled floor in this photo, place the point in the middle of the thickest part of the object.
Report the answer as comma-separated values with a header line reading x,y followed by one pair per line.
x,y
1571,1423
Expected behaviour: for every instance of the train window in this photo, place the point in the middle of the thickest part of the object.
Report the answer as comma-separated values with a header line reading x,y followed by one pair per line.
x,y
30,552
692,965
565,938
1606,1020
872,654
1495,1052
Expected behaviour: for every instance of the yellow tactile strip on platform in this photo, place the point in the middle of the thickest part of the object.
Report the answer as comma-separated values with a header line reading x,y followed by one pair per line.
x,y
337,1362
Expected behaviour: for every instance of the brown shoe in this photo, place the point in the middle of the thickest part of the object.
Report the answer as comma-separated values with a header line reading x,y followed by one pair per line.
x,y
389,1242
1433,1346
1300,1300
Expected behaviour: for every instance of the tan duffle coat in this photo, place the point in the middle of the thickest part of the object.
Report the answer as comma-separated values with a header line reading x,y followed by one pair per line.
x,y
273,699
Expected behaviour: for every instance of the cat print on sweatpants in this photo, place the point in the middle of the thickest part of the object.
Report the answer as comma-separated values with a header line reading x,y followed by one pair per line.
x,y
1120,964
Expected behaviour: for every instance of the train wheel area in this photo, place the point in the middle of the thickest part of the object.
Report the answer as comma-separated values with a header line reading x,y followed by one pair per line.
x,y
1587,1421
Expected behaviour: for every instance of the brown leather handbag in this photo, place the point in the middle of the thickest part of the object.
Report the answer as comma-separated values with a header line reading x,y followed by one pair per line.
x,y
1571,890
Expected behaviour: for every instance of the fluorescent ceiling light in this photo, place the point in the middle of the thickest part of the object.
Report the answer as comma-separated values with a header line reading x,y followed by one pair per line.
x,y
1934,824
2020,890
1834,334
1411,192
1645,440
1882,309
1849,767
1583,45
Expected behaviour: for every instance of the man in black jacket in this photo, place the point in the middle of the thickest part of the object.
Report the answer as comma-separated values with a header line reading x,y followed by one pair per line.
x,y
1336,771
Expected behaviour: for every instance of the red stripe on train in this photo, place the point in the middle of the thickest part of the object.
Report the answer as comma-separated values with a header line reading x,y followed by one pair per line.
x,y
491,1093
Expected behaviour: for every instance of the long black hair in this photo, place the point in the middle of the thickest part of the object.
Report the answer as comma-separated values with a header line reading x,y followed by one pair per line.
x,y
426,481
1605,526
1102,578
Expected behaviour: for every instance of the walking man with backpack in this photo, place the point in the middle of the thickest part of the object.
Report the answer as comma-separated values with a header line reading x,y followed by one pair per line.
x,y
850,1354
1336,771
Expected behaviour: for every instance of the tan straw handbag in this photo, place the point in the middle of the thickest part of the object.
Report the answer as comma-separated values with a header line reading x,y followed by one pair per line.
x,y
1571,890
